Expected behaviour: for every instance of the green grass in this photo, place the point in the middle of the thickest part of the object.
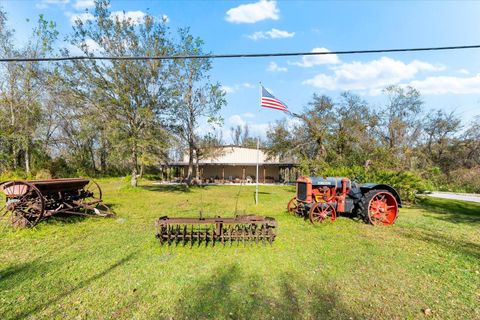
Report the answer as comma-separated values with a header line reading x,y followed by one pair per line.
x,y
115,268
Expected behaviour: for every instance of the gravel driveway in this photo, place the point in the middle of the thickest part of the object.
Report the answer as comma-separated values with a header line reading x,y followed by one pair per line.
x,y
455,196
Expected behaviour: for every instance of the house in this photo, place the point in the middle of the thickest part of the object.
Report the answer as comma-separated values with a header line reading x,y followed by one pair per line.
x,y
235,164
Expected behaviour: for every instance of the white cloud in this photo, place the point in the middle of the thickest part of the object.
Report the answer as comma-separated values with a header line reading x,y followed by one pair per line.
x,y
272,34
136,17
83,17
228,89
255,129
370,76
236,120
253,12
447,84
43,4
464,71
237,87
165,18
84,4
314,60
248,115
273,67
90,44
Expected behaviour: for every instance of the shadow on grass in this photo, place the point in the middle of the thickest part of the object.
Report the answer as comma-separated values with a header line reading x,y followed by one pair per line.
x,y
466,248
452,210
229,294
23,272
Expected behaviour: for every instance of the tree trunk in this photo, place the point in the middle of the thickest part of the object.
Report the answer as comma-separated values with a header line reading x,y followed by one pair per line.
x,y
14,154
197,171
27,158
142,169
103,153
190,165
92,158
134,179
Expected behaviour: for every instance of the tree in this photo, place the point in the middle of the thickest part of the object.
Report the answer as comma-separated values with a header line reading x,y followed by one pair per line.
x,y
22,89
198,98
440,129
207,146
133,97
400,126
241,136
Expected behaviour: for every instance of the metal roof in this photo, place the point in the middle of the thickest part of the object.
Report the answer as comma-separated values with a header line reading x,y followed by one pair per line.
x,y
236,155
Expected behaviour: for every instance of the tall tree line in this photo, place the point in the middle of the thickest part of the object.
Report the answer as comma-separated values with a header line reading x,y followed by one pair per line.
x,y
400,136
90,116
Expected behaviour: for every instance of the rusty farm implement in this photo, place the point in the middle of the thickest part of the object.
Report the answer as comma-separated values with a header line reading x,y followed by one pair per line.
x,y
25,203
240,229
323,198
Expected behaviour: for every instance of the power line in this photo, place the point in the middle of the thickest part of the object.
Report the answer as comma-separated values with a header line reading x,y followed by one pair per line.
x,y
240,55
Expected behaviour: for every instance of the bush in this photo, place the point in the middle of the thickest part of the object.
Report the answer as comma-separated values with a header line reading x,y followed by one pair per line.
x,y
43,174
407,183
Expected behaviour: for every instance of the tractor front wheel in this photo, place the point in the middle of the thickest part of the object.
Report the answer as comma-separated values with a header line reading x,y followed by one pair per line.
x,y
292,206
321,212
378,207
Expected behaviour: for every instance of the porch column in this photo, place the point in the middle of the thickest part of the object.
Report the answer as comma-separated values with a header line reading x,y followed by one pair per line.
x,y
223,174
243,174
263,174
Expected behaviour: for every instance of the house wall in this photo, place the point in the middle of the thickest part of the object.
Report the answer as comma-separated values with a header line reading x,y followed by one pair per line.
x,y
232,172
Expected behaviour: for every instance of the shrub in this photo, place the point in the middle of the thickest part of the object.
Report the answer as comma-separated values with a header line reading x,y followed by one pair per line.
x,y
43,174
407,183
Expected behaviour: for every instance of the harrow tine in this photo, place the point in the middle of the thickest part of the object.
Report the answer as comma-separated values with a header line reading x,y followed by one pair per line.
x,y
198,237
185,235
191,237
168,235
177,231
207,229
263,234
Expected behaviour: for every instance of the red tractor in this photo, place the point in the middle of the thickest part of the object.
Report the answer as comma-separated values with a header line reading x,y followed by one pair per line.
x,y
322,198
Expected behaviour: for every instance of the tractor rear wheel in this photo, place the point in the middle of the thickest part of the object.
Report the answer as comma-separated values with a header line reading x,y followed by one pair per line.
x,y
292,206
378,207
321,212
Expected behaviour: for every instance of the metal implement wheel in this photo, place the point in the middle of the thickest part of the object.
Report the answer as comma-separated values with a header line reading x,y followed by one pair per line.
x,y
292,205
379,207
22,204
93,193
92,201
321,212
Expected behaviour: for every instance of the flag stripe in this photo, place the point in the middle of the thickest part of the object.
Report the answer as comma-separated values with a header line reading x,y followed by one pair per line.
x,y
270,99
276,105
281,109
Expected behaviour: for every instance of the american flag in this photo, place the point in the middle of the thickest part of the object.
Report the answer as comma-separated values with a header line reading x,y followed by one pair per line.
x,y
269,101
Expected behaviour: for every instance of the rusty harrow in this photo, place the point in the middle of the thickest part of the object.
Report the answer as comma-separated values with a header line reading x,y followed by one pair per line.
x,y
240,229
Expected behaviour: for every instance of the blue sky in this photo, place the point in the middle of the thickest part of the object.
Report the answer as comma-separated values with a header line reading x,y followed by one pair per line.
x,y
449,80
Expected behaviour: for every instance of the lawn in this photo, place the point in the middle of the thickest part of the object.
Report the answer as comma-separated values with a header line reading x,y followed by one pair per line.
x,y
425,266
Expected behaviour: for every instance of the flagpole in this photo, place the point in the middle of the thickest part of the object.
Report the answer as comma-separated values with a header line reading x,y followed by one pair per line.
x,y
256,176
258,149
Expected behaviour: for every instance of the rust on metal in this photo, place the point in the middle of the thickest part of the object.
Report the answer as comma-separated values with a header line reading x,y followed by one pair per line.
x,y
240,229
27,202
